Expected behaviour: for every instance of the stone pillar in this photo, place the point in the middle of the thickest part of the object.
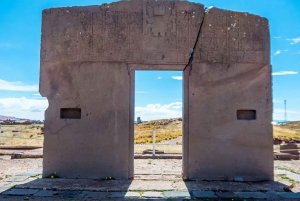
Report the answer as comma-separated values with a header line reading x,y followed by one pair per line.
x,y
230,99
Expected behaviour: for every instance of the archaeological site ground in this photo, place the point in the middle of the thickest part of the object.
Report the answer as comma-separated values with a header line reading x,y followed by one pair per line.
x,y
90,147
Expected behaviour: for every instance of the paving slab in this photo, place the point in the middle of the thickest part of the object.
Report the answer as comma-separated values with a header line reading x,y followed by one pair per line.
x,y
10,184
67,193
289,195
177,194
204,194
97,185
252,195
280,172
225,194
293,176
238,179
150,194
20,192
130,195
18,178
92,194
44,193
150,185
3,189
138,185
272,194
30,174
266,186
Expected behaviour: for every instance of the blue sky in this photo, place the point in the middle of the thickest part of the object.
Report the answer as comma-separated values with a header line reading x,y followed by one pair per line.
x,y
20,29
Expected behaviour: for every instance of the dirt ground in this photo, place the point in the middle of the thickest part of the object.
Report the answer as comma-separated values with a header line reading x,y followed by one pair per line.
x,y
9,168
160,169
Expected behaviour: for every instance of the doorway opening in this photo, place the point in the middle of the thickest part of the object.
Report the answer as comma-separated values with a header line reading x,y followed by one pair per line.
x,y
158,123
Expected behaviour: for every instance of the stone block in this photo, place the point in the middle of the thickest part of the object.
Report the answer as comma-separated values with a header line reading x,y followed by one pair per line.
x,y
225,194
4,188
177,194
86,79
251,195
289,195
20,192
18,178
282,156
290,148
151,194
67,193
29,174
44,193
280,172
204,194
89,194
124,195
272,195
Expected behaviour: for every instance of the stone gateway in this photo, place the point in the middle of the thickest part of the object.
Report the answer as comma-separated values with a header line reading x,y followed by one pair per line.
x,y
88,58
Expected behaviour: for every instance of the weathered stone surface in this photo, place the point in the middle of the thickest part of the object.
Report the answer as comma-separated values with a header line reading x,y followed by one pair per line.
x,y
67,193
288,195
44,193
4,188
252,195
290,148
88,59
159,32
30,173
272,194
18,178
204,194
127,195
233,37
149,185
233,143
225,194
20,192
89,194
177,194
150,194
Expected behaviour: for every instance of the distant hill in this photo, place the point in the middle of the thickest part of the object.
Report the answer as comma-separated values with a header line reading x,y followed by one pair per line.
x,y
3,118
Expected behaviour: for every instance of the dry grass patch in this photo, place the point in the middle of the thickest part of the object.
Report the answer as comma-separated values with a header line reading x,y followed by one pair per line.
x,y
20,135
287,131
166,129
166,148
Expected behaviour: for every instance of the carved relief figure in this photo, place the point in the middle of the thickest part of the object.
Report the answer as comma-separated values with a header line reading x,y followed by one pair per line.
x,y
159,19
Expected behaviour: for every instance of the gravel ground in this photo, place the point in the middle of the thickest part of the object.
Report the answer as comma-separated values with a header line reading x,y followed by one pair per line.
x,y
293,166
9,168
143,167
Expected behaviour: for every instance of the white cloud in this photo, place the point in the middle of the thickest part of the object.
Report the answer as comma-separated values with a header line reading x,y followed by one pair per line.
x,y
159,78
286,50
277,37
141,92
298,52
177,77
36,94
23,107
277,52
285,73
17,86
292,115
294,40
158,111
277,101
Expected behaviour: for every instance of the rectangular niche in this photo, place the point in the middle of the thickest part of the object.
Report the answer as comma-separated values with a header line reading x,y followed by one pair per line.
x,y
70,113
246,114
